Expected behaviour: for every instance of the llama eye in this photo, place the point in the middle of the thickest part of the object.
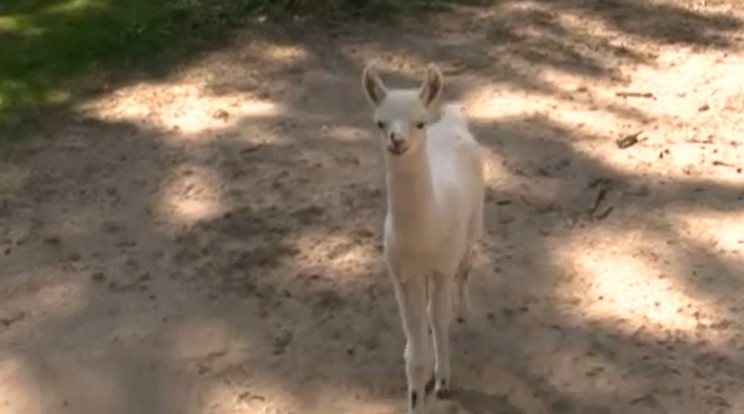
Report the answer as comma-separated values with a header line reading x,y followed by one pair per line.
x,y
380,124
420,125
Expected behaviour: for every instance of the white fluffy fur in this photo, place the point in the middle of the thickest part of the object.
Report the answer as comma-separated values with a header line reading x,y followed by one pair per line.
x,y
434,220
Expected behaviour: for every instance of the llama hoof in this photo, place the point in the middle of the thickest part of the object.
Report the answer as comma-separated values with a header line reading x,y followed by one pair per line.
x,y
430,385
442,391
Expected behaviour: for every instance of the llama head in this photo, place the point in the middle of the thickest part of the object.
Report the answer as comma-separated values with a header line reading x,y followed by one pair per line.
x,y
400,114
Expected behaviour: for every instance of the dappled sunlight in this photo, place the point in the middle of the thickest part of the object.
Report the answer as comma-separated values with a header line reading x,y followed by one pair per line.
x,y
340,255
220,397
636,279
201,337
279,53
397,63
683,76
495,172
205,237
188,109
570,44
269,395
585,376
20,391
722,230
344,133
28,387
60,299
193,210
12,179
583,120
54,299
191,193
632,293
73,6
652,161
344,398
589,120
66,380
21,25
263,397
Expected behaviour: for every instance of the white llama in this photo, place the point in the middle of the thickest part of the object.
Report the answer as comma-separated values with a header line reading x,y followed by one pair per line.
x,y
434,179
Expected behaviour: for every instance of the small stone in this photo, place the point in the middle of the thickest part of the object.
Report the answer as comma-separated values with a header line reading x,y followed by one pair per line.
x,y
53,241
221,114
250,149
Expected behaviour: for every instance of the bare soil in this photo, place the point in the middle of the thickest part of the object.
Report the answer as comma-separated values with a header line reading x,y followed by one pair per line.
x,y
209,242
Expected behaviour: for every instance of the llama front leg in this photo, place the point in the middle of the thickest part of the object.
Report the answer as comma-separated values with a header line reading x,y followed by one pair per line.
x,y
412,297
441,317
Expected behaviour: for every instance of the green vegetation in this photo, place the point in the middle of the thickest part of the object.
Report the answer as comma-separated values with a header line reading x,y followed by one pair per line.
x,y
47,44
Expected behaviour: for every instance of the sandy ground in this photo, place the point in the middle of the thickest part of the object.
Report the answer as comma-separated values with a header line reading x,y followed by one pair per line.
x,y
209,242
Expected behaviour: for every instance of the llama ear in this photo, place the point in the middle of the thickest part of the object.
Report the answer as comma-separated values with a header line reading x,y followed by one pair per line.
x,y
433,85
372,84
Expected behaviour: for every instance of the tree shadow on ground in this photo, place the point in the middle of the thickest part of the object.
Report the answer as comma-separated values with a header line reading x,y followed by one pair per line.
x,y
277,268
277,297
60,62
662,21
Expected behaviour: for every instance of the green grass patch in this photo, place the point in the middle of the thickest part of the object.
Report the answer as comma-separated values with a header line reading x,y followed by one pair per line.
x,y
46,44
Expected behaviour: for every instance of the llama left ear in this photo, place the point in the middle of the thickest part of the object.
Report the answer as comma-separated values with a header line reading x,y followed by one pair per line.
x,y
372,84
433,85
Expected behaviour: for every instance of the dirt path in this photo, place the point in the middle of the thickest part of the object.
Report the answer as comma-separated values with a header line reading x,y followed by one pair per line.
x,y
209,242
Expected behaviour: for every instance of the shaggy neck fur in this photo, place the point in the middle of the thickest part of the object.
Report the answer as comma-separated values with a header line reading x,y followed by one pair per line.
x,y
411,198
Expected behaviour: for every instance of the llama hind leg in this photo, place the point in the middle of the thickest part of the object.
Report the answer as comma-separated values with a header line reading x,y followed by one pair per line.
x,y
463,273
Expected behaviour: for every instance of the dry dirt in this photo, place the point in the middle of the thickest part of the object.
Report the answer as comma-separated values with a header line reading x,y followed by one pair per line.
x,y
208,242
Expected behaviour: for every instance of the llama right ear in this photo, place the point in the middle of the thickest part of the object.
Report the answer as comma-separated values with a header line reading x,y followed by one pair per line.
x,y
433,85
372,84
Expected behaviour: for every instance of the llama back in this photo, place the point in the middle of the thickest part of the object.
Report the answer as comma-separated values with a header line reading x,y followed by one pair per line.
x,y
452,128
452,132
457,165
452,114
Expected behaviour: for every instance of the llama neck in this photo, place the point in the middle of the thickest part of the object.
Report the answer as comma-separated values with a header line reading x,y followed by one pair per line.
x,y
411,203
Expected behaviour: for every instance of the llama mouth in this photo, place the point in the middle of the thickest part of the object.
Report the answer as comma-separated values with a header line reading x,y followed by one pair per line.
x,y
397,150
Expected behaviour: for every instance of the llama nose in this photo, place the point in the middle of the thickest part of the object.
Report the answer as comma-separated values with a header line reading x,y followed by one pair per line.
x,y
395,139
